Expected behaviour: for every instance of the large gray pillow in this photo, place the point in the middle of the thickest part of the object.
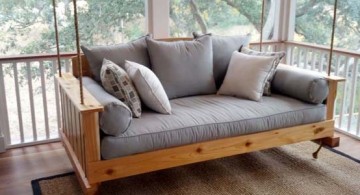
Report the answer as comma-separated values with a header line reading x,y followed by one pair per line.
x,y
184,68
135,51
223,48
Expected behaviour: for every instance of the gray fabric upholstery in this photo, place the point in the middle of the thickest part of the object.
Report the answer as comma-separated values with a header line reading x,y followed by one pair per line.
x,y
202,118
301,84
116,117
223,47
184,68
135,51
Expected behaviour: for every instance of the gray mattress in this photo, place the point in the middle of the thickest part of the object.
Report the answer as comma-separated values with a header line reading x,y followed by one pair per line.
x,y
203,118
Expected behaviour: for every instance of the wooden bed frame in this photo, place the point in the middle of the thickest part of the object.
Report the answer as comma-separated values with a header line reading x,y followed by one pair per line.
x,y
80,135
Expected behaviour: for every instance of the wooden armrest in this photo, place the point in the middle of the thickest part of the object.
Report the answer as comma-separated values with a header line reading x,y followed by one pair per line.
x,y
335,78
333,85
70,85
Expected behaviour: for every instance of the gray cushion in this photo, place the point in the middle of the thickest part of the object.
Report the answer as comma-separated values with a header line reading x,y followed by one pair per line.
x,y
202,118
184,67
135,51
223,47
117,82
302,84
278,57
116,117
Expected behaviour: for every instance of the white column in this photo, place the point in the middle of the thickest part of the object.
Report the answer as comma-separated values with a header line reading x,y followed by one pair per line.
x,y
285,23
157,16
4,121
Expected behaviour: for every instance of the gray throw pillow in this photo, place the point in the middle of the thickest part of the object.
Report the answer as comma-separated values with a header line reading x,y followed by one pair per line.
x,y
278,57
117,82
135,51
184,68
223,47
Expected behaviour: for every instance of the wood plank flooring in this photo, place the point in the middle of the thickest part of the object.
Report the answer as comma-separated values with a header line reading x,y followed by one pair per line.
x,y
19,166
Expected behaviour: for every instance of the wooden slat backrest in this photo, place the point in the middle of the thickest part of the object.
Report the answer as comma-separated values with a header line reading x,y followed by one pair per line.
x,y
85,64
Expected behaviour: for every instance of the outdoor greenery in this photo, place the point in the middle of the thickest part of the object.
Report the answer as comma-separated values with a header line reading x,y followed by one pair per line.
x,y
113,21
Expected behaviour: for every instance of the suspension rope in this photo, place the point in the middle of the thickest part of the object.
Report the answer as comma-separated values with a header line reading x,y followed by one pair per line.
x,y
262,23
78,52
332,39
57,38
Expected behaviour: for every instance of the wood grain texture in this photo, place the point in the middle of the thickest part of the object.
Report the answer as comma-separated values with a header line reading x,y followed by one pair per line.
x,y
80,173
330,101
172,157
70,86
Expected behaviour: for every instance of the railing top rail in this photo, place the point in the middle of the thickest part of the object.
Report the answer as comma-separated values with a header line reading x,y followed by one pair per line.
x,y
324,48
36,56
72,54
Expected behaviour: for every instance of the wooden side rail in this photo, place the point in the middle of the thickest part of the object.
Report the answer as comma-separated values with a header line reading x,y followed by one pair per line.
x,y
198,152
80,128
330,101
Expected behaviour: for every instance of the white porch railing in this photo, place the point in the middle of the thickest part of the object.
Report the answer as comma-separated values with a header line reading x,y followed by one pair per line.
x,y
345,64
29,104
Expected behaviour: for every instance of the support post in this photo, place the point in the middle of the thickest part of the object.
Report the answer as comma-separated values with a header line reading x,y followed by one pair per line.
x,y
157,18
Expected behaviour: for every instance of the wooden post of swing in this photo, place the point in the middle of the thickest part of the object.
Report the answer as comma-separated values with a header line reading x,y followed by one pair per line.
x,y
262,24
333,84
57,38
78,52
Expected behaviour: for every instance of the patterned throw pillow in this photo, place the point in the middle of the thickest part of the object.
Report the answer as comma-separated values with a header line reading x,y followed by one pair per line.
x,y
279,56
117,82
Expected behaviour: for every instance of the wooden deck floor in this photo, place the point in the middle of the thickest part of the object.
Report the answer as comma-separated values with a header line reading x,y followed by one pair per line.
x,y
19,166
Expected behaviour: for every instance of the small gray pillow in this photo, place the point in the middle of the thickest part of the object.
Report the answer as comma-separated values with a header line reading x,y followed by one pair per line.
x,y
135,51
117,82
116,117
184,68
223,48
278,57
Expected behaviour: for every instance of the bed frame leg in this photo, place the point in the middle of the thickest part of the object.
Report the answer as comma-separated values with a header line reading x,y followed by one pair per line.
x,y
327,141
331,142
94,190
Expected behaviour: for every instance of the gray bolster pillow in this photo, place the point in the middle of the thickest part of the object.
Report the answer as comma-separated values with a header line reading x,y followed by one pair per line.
x,y
116,117
304,85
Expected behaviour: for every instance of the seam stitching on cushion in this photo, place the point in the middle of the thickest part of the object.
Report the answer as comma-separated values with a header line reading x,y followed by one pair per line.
x,y
179,129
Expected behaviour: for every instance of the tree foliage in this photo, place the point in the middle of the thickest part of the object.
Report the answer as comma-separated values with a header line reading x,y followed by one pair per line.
x,y
113,21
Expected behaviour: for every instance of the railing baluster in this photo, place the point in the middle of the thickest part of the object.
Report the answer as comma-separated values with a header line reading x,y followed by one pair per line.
x,y
31,97
58,114
44,97
306,54
358,113
5,127
322,60
338,62
299,57
342,106
18,101
352,91
313,59
289,51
